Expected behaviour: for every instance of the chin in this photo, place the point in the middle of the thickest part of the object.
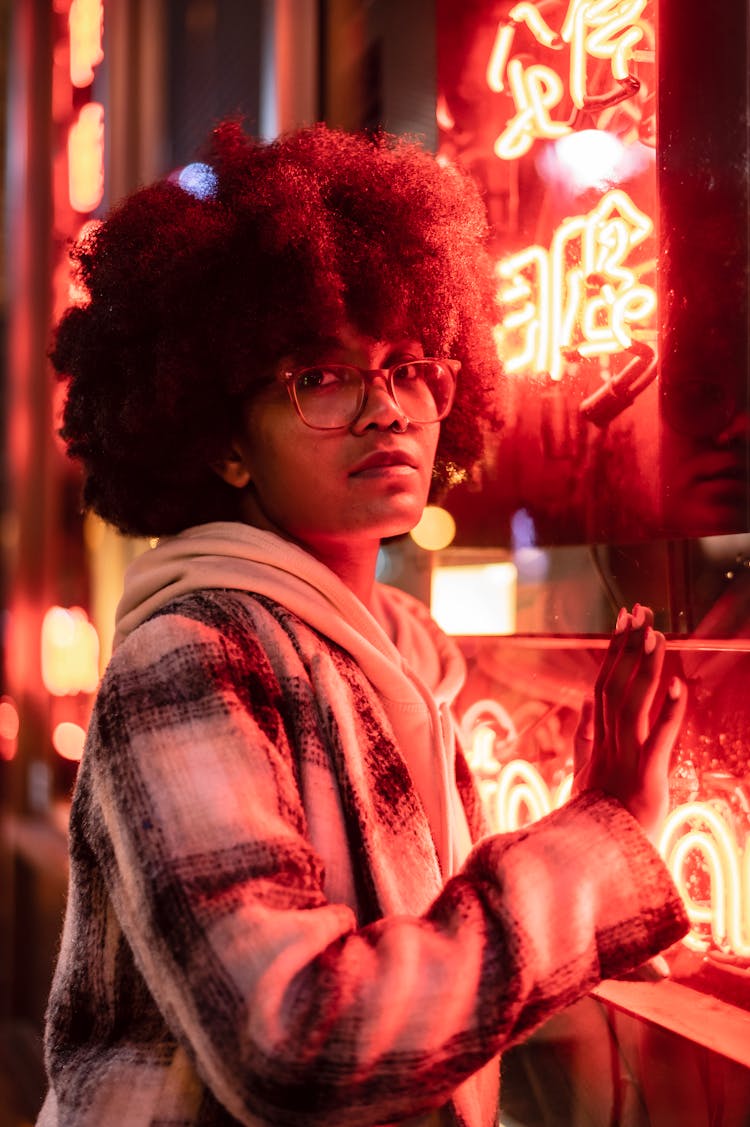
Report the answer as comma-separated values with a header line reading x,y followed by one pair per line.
x,y
402,524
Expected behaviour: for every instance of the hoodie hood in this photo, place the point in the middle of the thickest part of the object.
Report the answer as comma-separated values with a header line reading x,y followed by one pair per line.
x,y
414,668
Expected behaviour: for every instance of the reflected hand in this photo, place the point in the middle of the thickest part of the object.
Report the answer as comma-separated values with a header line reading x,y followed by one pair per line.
x,y
626,734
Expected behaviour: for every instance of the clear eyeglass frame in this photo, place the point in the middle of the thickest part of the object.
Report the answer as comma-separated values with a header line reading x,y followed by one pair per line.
x,y
448,369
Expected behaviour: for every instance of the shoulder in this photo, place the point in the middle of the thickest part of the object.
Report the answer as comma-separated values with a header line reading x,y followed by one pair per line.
x,y
203,662
219,635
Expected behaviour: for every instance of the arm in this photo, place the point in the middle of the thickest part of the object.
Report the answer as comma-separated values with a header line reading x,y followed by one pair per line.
x,y
286,1007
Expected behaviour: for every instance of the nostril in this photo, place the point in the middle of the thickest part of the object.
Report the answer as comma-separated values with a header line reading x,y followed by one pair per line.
x,y
380,408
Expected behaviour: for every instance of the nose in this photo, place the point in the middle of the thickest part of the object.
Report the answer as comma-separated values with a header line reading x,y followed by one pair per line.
x,y
736,430
379,408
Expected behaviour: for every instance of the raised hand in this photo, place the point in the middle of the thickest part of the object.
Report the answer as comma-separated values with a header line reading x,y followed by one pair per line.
x,y
626,733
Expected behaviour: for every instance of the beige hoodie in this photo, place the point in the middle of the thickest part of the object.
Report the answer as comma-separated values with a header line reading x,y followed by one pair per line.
x,y
415,669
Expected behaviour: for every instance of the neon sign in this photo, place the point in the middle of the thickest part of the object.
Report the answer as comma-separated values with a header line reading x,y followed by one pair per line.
x,y
85,20
698,833
86,158
70,652
593,30
699,846
582,295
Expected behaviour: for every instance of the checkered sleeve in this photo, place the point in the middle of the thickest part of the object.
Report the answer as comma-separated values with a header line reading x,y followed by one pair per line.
x,y
290,1012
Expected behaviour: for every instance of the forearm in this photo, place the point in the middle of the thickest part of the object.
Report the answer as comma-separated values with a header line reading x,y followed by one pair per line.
x,y
291,1009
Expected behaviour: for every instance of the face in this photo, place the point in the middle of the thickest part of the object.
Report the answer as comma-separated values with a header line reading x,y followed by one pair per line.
x,y
347,487
707,480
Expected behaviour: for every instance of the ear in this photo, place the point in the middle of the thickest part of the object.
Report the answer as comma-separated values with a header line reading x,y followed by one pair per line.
x,y
233,469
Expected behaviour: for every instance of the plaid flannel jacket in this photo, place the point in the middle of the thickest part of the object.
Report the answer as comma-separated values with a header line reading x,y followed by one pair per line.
x,y
238,773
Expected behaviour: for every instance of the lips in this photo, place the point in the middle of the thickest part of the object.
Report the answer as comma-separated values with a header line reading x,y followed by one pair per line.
x,y
720,469
382,459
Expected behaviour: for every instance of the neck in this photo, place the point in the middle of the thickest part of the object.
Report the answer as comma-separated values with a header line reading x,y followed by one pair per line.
x,y
353,559
354,563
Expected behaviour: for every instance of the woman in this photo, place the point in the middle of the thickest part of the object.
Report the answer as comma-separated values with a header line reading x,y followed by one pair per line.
x,y
276,915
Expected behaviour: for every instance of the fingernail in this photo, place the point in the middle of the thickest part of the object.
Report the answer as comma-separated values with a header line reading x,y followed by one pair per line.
x,y
639,616
649,641
675,688
622,620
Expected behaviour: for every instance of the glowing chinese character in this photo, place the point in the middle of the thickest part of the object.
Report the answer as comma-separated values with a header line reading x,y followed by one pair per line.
x,y
593,30
582,294
602,29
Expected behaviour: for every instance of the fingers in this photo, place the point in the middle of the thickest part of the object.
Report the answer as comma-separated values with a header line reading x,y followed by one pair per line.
x,y
649,800
583,741
612,656
634,713
657,749
630,752
629,679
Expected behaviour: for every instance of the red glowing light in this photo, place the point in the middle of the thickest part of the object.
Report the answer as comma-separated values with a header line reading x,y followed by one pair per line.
x,y
723,921
515,794
8,719
86,159
9,726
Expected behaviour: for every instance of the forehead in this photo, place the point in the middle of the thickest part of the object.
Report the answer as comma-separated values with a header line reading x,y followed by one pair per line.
x,y
349,340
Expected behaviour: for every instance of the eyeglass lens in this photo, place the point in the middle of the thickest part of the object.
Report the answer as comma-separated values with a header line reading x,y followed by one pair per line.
x,y
332,395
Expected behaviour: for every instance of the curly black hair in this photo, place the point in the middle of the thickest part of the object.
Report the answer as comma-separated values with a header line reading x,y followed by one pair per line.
x,y
192,299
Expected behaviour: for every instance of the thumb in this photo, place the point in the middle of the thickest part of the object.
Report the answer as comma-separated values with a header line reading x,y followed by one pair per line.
x,y
658,747
583,741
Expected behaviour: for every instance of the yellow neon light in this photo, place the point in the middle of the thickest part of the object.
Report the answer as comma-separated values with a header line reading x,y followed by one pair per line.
x,y
583,293
515,794
542,32
86,159
536,90
519,785
70,652
593,29
728,911
85,21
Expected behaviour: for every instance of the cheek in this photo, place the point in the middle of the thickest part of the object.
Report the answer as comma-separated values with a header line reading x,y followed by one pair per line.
x,y
290,470
431,448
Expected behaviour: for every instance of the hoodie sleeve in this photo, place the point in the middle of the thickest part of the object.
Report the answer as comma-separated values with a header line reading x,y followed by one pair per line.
x,y
189,815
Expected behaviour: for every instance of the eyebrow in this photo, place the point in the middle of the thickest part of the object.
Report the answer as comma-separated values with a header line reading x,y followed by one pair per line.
x,y
318,351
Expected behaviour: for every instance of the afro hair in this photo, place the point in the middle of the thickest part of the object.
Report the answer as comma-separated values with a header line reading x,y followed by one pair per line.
x,y
192,298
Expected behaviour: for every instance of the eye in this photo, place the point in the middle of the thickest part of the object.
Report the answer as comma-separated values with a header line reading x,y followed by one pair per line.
x,y
318,378
416,369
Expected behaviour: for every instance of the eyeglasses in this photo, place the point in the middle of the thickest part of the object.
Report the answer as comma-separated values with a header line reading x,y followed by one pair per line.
x,y
332,396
